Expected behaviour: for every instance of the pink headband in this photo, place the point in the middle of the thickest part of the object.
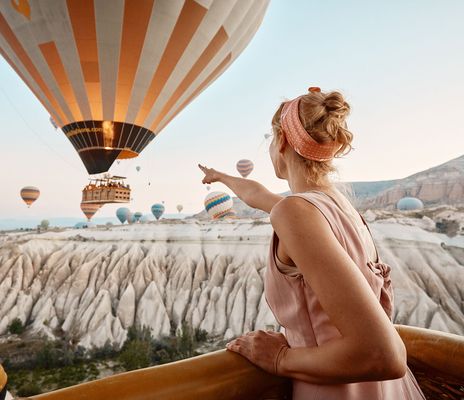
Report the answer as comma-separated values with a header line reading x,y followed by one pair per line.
x,y
300,140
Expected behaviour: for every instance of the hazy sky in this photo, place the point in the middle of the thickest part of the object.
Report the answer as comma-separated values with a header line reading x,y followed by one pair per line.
x,y
399,63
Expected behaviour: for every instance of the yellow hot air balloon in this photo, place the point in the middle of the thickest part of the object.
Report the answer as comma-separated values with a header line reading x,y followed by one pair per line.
x,y
29,194
112,74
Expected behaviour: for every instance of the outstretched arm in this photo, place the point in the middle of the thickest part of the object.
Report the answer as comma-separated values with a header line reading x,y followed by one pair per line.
x,y
251,192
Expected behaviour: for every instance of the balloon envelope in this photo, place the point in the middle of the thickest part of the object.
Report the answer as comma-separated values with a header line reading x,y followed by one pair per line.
x,y
89,209
130,218
29,194
138,168
157,210
137,216
180,207
113,74
218,205
244,167
409,203
121,214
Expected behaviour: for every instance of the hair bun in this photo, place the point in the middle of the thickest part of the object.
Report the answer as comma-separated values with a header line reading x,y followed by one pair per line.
x,y
314,89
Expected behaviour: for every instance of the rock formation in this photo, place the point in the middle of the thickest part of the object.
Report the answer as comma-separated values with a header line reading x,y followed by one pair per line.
x,y
92,286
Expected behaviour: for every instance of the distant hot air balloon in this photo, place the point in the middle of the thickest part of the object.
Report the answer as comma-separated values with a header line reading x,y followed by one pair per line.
x,y
409,204
208,187
157,210
113,74
138,168
122,213
89,209
267,135
29,194
244,167
137,216
180,207
218,205
130,218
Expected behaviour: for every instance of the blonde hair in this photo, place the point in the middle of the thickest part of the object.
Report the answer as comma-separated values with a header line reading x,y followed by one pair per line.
x,y
323,116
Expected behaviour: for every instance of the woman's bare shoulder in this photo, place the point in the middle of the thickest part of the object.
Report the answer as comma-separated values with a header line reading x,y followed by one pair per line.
x,y
295,211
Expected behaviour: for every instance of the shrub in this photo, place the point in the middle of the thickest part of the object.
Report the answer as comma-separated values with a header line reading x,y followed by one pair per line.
x,y
29,389
136,354
48,357
16,327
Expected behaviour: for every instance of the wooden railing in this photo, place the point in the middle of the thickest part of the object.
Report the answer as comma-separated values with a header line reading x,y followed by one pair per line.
x,y
436,358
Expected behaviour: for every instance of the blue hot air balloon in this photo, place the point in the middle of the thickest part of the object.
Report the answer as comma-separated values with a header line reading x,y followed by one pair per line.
x,y
137,216
157,210
409,204
122,214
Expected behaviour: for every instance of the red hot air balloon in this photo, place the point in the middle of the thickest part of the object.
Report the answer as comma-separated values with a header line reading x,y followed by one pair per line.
x,y
29,194
89,209
113,74
244,167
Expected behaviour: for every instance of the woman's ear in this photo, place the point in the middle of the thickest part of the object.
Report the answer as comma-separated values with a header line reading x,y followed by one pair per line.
x,y
282,142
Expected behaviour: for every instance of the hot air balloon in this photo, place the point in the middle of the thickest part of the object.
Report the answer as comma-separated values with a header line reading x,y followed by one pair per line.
x,y
219,205
137,216
29,194
130,218
208,187
89,209
122,213
409,204
244,167
113,74
138,168
157,210
180,207
267,135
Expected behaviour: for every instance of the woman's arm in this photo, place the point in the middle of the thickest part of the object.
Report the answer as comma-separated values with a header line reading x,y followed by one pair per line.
x,y
370,348
251,192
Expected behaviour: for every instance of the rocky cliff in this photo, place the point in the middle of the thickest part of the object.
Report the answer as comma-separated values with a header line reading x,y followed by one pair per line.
x,y
443,184
92,285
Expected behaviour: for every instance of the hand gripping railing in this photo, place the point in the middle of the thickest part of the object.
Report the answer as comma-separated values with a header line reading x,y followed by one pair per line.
x,y
436,359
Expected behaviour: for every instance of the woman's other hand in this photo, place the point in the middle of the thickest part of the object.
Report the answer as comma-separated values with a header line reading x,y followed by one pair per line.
x,y
211,175
264,349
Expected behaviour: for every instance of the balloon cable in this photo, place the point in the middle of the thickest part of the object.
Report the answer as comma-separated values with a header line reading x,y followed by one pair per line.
x,y
39,137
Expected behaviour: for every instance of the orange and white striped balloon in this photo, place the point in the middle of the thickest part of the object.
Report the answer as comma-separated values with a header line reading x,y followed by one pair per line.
x,y
244,167
29,194
113,74
89,209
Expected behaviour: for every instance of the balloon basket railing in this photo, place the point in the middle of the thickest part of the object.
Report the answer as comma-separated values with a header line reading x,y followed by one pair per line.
x,y
436,359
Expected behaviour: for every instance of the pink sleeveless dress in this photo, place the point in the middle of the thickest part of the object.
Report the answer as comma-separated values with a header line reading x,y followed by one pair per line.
x,y
297,309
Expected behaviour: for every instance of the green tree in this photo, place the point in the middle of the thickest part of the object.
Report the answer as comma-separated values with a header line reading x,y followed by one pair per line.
x,y
29,389
48,357
44,224
16,327
136,354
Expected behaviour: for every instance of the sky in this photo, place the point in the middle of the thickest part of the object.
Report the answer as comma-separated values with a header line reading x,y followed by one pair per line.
x,y
399,63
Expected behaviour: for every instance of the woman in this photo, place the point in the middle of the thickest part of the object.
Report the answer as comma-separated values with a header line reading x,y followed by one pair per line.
x,y
325,283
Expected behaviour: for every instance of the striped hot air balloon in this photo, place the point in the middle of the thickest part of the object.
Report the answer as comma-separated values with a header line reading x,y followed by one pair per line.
x,y
29,194
244,167
113,74
219,205
89,209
